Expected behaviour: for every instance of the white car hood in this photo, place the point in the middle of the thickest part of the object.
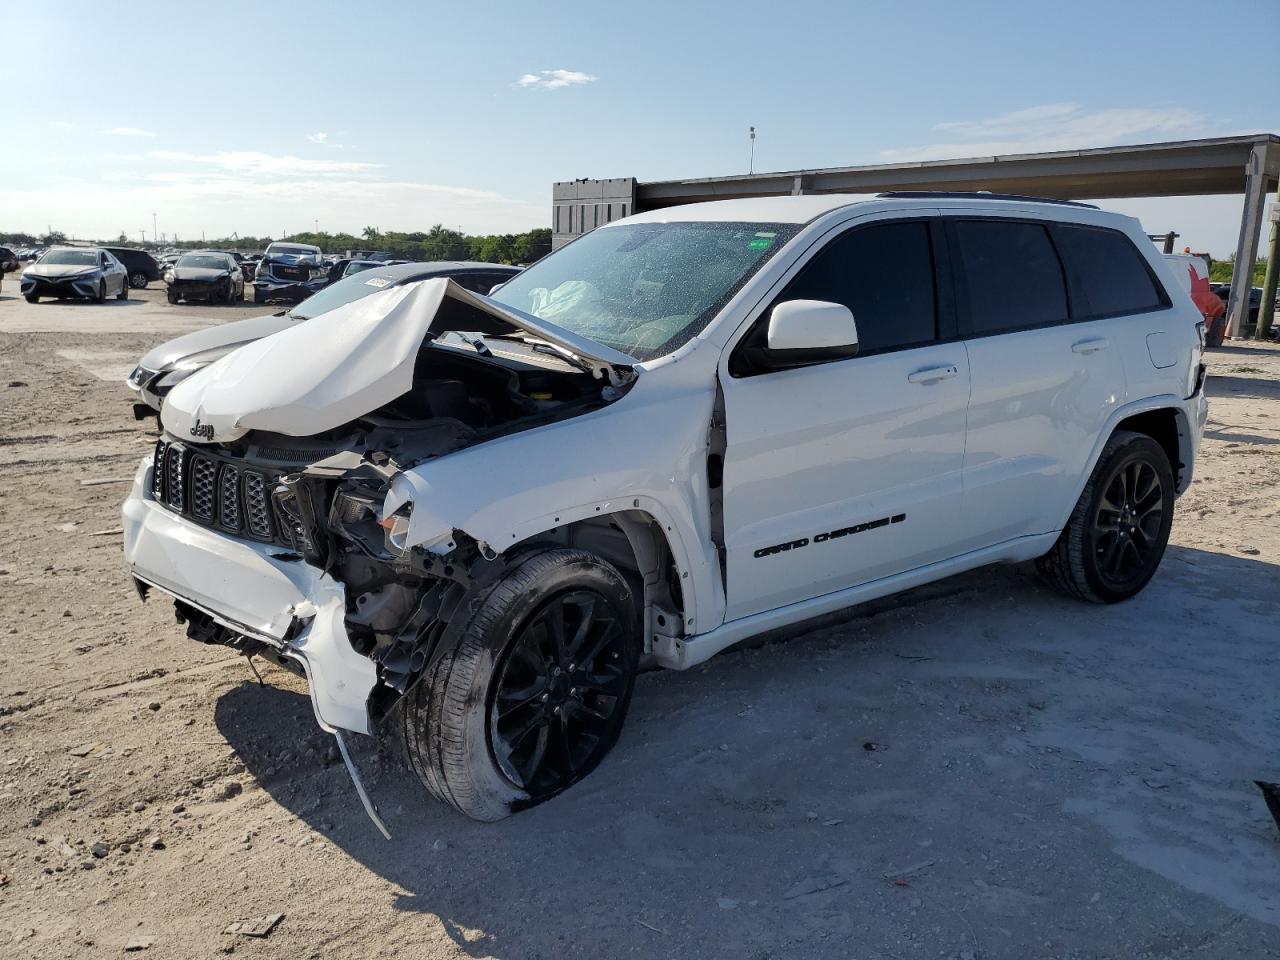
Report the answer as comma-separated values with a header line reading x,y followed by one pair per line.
x,y
339,365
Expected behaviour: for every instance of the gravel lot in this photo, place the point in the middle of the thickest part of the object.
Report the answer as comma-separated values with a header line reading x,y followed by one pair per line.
x,y
981,770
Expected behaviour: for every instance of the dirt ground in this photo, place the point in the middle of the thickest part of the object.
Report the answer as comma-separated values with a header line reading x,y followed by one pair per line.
x,y
981,770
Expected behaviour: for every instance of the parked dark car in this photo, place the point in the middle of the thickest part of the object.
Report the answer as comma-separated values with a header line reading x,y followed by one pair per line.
x,y
206,275
1223,290
170,363
142,266
8,260
347,266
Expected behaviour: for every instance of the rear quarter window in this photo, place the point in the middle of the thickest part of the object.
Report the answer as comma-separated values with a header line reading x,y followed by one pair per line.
x,y
1110,276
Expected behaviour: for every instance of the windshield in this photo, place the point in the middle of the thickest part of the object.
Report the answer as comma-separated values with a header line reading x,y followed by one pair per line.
x,y
644,288
357,266
336,294
205,261
289,250
77,258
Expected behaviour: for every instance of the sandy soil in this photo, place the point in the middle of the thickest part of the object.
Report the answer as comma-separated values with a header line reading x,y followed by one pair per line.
x,y
981,770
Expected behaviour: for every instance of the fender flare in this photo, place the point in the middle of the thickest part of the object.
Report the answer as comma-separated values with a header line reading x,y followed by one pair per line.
x,y
1186,445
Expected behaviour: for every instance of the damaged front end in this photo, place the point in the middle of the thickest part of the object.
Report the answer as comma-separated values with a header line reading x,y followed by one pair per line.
x,y
267,509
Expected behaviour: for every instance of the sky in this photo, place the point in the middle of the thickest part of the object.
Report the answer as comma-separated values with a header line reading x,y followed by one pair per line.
x,y
229,117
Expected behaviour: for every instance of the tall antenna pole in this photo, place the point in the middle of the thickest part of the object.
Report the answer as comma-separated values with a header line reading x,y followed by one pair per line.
x,y
751,164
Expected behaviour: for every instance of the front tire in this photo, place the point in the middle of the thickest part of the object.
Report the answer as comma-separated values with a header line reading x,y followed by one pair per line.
x,y
124,289
1112,545
31,298
101,295
533,688
172,295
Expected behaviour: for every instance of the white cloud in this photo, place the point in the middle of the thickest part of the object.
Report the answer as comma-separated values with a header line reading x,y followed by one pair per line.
x,y
1053,126
128,132
257,194
318,137
555,79
251,163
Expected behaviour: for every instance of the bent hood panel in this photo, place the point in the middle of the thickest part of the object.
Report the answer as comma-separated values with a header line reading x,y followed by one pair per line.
x,y
229,335
347,362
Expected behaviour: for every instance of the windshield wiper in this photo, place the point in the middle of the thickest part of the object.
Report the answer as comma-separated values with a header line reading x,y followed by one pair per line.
x,y
554,351
475,343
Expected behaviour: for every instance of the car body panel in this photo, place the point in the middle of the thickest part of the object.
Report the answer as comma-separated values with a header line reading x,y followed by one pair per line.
x,y
342,364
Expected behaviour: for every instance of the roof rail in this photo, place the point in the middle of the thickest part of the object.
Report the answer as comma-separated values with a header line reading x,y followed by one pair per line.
x,y
979,195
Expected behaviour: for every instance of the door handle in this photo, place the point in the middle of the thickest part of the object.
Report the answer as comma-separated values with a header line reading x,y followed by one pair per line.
x,y
1092,345
933,374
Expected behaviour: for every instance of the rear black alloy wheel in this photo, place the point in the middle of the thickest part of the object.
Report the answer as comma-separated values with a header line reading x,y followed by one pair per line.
x,y
1117,534
138,280
1127,522
559,691
532,688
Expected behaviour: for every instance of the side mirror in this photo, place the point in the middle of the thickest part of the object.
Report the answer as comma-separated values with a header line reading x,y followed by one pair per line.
x,y
810,331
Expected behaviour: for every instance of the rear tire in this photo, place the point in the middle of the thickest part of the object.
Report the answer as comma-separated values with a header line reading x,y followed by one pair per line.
x,y
31,298
138,280
533,688
1112,545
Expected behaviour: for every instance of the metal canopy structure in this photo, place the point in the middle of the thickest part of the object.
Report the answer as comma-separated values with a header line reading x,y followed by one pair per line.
x,y
1248,165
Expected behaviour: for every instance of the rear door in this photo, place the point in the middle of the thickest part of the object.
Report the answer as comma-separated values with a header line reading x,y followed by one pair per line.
x,y
843,472
1044,382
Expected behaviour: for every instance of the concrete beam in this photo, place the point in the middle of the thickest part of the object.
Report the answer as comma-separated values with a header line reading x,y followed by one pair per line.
x,y
1255,199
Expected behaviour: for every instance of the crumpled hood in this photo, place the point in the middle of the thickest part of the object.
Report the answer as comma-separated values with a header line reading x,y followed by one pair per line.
x,y
55,270
226,335
200,274
349,361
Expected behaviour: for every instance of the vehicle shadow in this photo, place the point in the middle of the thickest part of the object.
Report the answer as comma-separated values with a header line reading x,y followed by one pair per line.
x,y
762,805
1256,388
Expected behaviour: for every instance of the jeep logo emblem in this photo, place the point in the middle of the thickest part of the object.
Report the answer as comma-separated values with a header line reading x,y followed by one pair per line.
x,y
204,430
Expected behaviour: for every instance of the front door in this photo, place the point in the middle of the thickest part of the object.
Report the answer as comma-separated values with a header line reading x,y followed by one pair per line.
x,y
843,472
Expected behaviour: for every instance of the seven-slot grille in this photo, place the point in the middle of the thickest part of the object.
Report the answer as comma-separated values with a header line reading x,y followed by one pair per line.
x,y
217,492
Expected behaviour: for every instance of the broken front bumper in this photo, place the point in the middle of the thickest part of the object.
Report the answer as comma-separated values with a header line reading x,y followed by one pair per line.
x,y
271,289
258,591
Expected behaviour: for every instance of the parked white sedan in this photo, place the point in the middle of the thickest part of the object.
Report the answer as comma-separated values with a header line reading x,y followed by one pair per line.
x,y
84,273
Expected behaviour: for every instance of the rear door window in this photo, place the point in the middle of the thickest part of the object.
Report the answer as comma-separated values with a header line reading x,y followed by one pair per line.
x,y
1010,274
1110,275
884,274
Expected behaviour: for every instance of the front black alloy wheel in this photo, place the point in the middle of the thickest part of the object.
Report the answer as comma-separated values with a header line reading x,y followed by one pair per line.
x,y
559,694
532,689
1117,534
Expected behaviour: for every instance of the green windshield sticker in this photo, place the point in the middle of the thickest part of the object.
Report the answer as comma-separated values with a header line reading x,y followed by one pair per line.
x,y
761,241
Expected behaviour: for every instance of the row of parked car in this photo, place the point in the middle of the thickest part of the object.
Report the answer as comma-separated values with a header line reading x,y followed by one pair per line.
x,y
289,272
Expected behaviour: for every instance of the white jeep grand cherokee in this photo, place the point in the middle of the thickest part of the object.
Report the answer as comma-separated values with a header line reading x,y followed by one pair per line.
x,y
475,517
